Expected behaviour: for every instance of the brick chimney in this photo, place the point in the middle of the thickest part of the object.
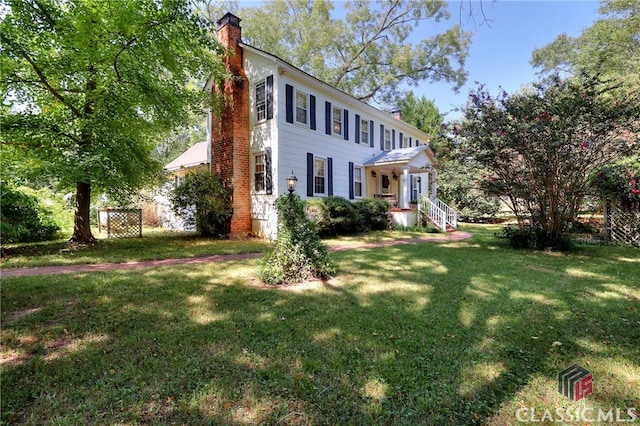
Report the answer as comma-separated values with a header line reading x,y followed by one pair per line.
x,y
230,129
397,114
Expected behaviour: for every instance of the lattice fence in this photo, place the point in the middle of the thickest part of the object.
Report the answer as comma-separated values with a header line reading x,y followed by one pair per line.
x,y
622,226
120,222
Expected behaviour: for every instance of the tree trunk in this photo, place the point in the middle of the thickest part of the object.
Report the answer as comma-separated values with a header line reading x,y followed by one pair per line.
x,y
82,221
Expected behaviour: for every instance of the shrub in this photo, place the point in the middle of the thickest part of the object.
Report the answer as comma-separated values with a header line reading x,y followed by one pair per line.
x,y
204,202
298,253
528,237
371,214
342,216
24,218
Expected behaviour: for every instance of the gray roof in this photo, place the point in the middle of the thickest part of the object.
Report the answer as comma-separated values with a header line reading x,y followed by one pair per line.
x,y
401,155
192,157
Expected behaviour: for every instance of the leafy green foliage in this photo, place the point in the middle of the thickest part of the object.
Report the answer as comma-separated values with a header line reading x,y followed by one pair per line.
x,y
460,176
421,113
610,46
93,85
203,201
372,214
24,218
542,147
621,182
367,53
298,253
338,216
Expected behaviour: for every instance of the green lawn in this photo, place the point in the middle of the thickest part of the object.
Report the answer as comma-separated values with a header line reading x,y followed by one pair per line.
x,y
438,333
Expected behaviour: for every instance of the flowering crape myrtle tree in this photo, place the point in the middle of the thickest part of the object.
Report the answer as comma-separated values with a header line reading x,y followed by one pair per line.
x,y
542,147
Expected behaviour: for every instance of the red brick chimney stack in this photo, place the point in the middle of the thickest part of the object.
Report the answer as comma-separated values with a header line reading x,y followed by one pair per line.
x,y
230,130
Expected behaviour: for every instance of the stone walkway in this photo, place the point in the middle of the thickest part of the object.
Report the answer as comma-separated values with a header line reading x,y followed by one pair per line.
x,y
68,269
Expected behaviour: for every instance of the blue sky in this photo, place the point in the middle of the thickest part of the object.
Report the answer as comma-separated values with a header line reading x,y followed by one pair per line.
x,y
500,51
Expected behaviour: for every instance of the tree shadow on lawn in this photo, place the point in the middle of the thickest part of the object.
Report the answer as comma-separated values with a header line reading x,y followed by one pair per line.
x,y
454,333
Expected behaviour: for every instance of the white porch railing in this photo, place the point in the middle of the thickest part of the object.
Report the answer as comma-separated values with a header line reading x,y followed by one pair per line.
x,y
437,211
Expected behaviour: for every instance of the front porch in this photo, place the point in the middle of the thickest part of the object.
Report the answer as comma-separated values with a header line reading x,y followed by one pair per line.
x,y
407,179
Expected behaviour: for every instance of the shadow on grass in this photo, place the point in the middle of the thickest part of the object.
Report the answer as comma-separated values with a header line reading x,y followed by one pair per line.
x,y
454,333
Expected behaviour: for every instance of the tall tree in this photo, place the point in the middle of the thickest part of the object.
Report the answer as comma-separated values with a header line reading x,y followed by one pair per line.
x,y
542,147
92,86
611,46
421,113
367,53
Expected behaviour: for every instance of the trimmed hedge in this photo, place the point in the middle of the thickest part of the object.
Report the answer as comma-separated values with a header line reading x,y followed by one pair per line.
x,y
338,216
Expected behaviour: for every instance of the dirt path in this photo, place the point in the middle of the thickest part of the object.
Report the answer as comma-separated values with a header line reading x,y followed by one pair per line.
x,y
68,269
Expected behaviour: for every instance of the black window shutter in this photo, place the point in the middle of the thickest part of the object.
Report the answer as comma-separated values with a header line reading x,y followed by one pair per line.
x,y
309,174
327,118
270,97
268,177
289,103
358,129
393,139
382,137
312,111
410,141
401,140
351,197
330,175
346,124
370,133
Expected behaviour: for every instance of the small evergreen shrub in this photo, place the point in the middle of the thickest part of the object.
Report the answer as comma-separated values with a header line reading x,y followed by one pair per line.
x,y
298,253
342,216
203,201
371,214
24,218
535,238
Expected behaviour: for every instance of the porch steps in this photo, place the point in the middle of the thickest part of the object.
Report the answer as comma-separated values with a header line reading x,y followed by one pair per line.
x,y
439,213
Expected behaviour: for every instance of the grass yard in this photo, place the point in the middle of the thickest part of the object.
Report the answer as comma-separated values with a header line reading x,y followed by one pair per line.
x,y
457,333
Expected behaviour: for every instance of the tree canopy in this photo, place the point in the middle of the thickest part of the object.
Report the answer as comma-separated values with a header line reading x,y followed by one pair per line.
x,y
89,87
611,46
368,53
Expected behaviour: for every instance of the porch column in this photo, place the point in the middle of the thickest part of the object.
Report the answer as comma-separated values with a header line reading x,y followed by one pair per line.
x,y
404,189
434,185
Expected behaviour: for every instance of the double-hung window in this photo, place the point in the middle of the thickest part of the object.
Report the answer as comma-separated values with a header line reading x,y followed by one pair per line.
x,y
387,140
319,176
261,101
259,175
302,108
337,120
405,141
364,131
357,181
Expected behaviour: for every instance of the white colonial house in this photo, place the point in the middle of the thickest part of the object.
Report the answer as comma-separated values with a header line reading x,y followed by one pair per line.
x,y
277,120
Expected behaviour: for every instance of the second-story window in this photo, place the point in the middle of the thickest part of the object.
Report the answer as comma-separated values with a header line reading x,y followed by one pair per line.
x,y
387,140
337,120
405,142
364,131
302,108
261,101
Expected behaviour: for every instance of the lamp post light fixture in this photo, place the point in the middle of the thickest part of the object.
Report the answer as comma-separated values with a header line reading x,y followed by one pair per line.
x,y
292,181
